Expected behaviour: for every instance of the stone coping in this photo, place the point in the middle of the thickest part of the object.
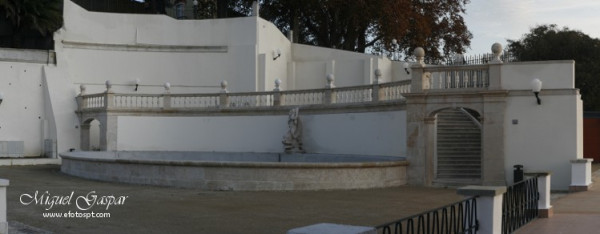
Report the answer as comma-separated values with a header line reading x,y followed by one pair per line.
x,y
112,157
538,173
4,182
582,160
487,191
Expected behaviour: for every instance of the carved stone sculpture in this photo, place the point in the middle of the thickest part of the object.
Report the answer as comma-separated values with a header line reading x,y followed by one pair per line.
x,y
292,141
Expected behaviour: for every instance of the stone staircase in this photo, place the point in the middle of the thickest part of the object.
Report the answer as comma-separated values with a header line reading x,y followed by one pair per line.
x,y
458,148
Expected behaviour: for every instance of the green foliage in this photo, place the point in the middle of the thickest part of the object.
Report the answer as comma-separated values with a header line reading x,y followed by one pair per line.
x,y
358,25
548,42
44,16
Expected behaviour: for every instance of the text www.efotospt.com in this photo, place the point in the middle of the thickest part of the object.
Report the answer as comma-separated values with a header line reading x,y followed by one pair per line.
x,y
76,214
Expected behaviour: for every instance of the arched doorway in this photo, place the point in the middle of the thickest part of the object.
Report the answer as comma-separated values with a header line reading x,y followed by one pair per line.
x,y
458,158
90,135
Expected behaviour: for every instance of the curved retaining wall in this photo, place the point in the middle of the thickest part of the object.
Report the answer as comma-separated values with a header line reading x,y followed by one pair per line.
x,y
238,171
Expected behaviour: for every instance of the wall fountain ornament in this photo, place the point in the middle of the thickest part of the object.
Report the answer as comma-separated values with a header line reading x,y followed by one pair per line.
x,y
292,141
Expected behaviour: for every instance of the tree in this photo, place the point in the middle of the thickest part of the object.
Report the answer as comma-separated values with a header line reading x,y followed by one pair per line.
x,y
361,25
548,42
42,16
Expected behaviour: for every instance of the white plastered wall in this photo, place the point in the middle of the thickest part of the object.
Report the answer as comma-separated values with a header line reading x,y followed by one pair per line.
x,y
375,133
22,112
549,135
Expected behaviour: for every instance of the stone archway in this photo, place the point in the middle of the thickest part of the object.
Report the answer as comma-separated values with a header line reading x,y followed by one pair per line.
x,y
88,127
422,110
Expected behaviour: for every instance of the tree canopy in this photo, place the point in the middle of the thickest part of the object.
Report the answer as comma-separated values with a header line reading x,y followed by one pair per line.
x,y
27,16
372,25
548,42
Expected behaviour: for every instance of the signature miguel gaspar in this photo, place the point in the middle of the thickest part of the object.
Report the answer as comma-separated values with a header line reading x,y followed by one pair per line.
x,y
83,202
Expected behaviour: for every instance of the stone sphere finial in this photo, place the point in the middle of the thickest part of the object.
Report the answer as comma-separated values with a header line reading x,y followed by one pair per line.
x,y
108,86
330,80
224,86
82,89
277,84
419,52
377,76
167,86
497,51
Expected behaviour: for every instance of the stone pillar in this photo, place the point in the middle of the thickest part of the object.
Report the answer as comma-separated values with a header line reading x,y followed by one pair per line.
x,y
375,94
329,97
3,223
492,142
495,74
108,132
581,174
489,206
416,142
167,96
332,228
277,94
224,98
420,80
543,179
84,131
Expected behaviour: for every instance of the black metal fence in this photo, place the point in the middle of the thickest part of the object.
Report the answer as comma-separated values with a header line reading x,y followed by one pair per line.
x,y
459,217
520,204
479,59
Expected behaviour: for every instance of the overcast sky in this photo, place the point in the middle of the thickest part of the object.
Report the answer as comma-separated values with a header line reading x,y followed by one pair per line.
x,y
497,20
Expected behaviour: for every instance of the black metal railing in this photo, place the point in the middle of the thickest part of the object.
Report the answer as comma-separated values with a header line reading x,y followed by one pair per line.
x,y
520,204
458,217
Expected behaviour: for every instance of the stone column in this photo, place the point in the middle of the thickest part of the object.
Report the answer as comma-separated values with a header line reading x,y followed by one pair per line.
x,y
543,179
84,131
489,206
108,132
3,223
581,174
492,142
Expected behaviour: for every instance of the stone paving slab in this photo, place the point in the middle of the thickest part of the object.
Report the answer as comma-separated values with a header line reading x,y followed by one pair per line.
x,y
577,212
150,209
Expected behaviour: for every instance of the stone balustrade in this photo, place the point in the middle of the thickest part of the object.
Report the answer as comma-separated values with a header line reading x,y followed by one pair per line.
x,y
344,95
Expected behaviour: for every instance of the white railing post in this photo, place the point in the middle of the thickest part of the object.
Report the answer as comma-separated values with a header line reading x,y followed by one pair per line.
x,y
224,97
329,97
81,104
489,206
544,207
3,223
109,96
167,96
581,174
277,93
375,92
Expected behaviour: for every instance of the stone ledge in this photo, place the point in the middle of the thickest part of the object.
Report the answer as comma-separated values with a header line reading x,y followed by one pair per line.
x,y
582,160
487,191
4,182
332,228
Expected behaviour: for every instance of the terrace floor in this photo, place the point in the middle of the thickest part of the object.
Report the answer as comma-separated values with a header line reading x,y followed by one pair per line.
x,y
150,209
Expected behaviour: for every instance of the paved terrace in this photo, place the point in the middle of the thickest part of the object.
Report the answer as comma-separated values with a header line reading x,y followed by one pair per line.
x,y
170,210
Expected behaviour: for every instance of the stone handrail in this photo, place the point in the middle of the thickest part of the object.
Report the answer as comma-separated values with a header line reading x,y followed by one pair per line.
x,y
344,95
